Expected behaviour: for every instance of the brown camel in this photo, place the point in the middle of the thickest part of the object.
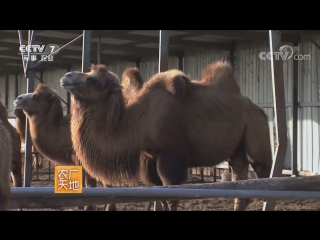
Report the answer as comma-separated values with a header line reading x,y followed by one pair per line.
x,y
5,166
21,129
20,124
220,74
206,127
16,165
49,129
131,83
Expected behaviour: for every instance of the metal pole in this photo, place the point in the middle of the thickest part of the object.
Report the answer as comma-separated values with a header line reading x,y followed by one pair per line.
x,y
6,90
86,46
22,54
99,51
41,76
163,50
16,85
68,94
295,110
279,111
28,143
163,66
30,41
138,63
86,50
180,63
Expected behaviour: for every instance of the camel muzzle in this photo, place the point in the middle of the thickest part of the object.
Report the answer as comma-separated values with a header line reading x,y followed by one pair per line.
x,y
19,100
67,83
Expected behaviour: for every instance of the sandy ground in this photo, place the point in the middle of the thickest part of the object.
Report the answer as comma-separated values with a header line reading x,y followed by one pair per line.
x,y
214,204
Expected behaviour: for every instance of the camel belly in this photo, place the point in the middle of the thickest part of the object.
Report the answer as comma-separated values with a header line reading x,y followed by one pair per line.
x,y
214,142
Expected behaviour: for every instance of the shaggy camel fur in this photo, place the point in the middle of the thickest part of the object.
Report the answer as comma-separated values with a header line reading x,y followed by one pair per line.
x,y
49,129
5,166
206,127
132,82
20,124
21,129
220,74
16,165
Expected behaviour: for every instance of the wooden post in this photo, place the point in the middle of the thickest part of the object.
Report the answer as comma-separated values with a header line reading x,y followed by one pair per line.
x,y
279,110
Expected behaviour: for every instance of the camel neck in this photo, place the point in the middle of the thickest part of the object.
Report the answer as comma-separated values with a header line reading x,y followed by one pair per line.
x,y
107,132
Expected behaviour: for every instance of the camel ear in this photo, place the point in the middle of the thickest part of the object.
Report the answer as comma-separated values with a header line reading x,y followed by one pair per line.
x,y
112,86
51,96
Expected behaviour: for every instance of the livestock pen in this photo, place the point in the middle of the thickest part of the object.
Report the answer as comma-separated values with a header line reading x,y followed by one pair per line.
x,y
249,71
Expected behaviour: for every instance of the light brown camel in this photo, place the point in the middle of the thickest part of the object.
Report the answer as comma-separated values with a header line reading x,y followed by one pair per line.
x,y
207,127
5,166
21,129
16,165
49,129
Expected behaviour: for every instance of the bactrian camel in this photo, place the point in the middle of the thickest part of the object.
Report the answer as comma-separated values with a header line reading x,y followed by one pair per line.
x,y
5,166
21,129
16,165
203,128
131,83
49,129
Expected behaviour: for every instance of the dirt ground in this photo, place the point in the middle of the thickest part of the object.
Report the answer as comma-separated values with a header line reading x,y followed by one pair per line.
x,y
213,204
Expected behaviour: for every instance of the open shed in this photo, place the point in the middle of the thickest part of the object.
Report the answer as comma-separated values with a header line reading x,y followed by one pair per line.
x,y
191,51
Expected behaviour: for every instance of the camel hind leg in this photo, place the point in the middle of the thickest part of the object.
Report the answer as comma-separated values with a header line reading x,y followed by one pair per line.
x,y
257,143
172,167
239,167
149,175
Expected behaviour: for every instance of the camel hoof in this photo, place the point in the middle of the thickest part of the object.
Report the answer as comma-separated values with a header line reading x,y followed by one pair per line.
x,y
89,208
241,204
111,207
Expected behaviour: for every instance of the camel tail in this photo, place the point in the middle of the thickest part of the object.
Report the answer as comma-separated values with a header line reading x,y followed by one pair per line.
x,y
217,72
132,77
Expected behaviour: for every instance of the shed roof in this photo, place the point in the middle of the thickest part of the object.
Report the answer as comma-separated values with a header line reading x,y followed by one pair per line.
x,y
127,45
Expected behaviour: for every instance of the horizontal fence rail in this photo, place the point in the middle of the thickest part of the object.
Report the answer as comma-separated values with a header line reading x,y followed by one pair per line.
x,y
289,188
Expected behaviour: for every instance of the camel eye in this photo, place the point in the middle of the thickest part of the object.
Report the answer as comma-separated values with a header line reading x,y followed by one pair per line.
x,y
92,80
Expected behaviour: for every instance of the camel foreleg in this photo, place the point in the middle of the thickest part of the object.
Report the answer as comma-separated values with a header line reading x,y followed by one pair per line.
x,y
149,175
239,168
90,182
111,206
172,168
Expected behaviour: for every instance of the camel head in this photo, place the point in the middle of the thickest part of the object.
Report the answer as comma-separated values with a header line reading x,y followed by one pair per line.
x,y
91,86
18,113
39,102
